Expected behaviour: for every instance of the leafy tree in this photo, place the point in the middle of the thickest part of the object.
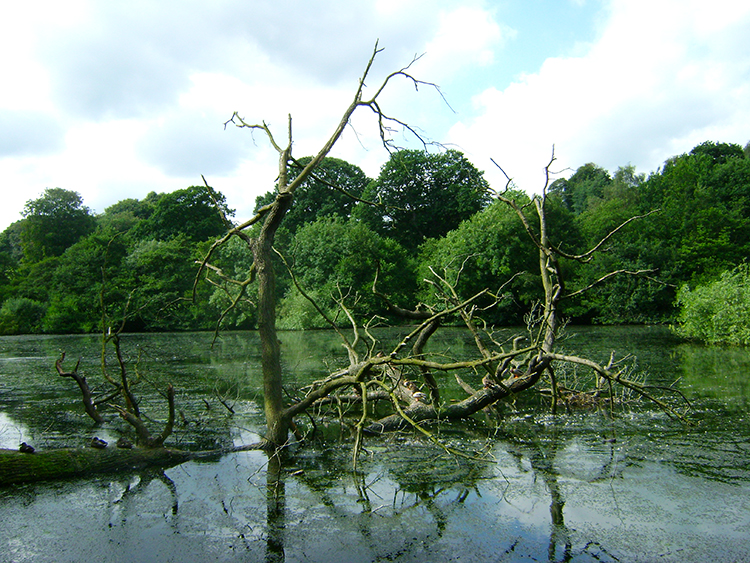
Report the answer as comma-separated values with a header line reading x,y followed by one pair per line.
x,y
11,253
88,276
235,310
486,251
20,315
344,267
35,280
718,152
423,196
163,274
191,213
54,222
583,188
316,197
704,217
126,214
702,228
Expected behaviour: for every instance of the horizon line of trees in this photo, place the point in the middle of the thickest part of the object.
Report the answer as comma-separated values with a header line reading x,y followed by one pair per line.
x,y
64,269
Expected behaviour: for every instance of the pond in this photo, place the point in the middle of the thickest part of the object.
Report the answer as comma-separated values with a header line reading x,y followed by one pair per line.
x,y
579,486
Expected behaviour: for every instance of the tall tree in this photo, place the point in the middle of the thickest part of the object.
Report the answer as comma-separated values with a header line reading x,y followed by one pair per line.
x,y
331,191
423,195
583,188
54,222
487,251
195,213
344,267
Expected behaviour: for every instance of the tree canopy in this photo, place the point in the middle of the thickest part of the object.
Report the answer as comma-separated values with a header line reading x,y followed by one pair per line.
x,y
332,191
423,195
53,222
431,210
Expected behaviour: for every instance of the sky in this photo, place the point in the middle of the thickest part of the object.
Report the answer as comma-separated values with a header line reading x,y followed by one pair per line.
x,y
114,100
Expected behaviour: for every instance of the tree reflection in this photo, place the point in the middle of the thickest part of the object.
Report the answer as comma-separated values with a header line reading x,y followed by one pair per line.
x,y
275,510
541,453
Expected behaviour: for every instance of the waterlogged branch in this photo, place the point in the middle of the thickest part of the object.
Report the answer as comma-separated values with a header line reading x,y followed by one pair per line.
x,y
144,435
638,388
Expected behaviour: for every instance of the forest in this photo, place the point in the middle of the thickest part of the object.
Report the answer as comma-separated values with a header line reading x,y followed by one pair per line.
x,y
65,269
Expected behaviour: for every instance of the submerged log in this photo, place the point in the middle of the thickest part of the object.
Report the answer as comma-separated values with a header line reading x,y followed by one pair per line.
x,y
64,463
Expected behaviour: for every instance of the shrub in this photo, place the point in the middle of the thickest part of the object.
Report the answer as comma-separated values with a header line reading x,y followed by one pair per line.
x,y
20,315
718,312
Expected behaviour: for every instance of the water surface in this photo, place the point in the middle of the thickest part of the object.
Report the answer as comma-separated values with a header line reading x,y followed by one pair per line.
x,y
579,486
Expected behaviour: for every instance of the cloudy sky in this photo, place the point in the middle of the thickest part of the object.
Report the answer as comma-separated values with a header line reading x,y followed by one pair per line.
x,y
117,99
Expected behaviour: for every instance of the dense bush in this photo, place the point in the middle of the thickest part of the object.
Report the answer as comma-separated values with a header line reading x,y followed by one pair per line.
x,y
717,312
20,315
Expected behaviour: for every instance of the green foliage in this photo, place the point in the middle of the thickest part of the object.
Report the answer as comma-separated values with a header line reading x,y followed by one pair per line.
x,y
717,312
11,254
720,153
316,197
486,251
127,214
235,260
191,213
344,267
423,196
88,276
583,188
60,264
20,315
54,222
162,278
702,228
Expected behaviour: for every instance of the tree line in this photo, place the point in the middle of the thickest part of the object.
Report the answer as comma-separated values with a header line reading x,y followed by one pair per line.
x,y
65,269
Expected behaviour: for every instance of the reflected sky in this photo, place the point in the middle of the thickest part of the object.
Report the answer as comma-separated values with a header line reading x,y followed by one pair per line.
x,y
577,487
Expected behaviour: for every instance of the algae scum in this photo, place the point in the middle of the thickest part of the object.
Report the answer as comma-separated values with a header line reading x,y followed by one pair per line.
x,y
575,487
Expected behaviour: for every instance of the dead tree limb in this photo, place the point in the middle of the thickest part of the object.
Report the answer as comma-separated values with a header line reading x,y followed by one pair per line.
x,y
88,404
145,438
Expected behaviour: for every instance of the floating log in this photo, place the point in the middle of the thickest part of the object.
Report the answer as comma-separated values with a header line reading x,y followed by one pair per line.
x,y
42,465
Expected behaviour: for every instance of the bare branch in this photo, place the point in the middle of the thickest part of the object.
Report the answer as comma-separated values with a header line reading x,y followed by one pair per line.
x,y
617,378
82,385
586,256
605,278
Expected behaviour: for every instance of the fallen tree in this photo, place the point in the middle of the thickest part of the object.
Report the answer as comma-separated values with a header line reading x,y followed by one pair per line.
x,y
403,373
376,368
65,463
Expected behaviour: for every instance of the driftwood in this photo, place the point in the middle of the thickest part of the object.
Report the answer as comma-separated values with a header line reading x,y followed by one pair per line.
x,y
65,463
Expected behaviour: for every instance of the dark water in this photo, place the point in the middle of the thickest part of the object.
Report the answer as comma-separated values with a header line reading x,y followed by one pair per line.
x,y
576,487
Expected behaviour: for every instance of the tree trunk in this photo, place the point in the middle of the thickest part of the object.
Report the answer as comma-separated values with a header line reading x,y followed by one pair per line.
x,y
277,423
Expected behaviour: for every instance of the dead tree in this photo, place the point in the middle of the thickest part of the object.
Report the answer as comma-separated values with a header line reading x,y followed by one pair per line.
x,y
278,418
510,369
375,369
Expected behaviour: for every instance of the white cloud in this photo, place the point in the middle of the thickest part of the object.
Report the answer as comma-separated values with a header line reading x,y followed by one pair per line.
x,y
662,77
467,37
117,99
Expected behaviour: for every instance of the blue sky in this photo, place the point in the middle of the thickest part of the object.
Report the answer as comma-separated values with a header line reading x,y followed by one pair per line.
x,y
115,99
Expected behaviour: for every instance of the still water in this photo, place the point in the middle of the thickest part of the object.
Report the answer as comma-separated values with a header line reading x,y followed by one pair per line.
x,y
579,486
